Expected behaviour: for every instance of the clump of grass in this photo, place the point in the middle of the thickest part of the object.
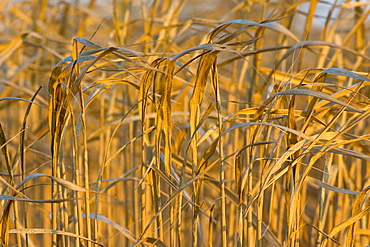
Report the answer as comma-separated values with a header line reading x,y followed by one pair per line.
x,y
244,130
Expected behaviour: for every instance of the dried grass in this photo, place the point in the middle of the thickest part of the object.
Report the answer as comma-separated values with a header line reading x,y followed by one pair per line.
x,y
249,129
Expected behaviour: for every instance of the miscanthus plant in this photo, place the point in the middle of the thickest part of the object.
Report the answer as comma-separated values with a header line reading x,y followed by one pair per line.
x,y
179,123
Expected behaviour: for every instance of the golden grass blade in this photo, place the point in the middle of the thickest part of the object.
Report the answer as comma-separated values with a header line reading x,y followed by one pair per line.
x,y
200,81
51,231
20,99
164,126
155,242
127,233
4,150
317,94
210,231
22,199
22,155
216,87
268,24
65,183
330,187
358,203
5,217
346,73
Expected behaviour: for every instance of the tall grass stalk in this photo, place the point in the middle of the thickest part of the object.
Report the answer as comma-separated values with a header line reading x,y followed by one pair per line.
x,y
184,123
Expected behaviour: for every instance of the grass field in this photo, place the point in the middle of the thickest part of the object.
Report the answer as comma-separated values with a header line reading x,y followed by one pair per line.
x,y
184,123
